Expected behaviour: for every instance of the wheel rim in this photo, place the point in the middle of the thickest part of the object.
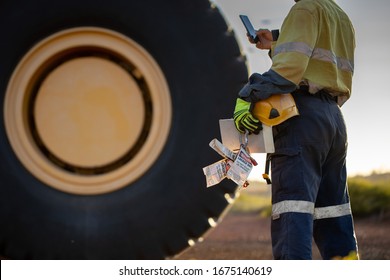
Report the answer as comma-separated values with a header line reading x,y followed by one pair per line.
x,y
87,111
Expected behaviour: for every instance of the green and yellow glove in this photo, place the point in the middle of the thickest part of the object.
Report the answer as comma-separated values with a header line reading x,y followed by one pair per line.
x,y
243,118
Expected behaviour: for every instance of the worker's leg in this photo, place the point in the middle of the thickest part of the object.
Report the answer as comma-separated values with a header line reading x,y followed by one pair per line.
x,y
294,188
300,146
333,225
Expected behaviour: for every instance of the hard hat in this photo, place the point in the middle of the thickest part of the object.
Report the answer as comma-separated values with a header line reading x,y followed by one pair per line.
x,y
275,109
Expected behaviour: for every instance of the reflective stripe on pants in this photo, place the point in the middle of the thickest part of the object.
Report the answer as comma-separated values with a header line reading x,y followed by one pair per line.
x,y
300,206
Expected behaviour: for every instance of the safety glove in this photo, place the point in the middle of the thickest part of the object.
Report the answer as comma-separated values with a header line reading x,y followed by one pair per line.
x,y
243,118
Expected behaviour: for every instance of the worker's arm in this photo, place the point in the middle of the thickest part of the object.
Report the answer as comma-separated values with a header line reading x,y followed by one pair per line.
x,y
297,40
290,57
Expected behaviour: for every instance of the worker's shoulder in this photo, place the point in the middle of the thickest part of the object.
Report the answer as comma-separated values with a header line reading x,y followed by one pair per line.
x,y
318,7
309,5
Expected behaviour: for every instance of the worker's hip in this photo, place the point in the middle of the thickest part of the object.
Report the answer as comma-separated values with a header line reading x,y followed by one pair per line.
x,y
319,121
321,94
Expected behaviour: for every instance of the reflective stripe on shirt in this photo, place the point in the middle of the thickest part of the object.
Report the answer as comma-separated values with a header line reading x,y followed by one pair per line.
x,y
293,47
317,53
300,206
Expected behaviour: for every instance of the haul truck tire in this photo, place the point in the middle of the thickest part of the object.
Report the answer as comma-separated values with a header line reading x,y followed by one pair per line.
x,y
107,109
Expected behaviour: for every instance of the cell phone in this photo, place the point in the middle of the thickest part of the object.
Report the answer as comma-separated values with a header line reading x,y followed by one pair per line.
x,y
249,28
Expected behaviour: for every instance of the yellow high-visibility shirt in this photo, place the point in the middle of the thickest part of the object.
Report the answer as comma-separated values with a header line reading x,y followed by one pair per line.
x,y
316,48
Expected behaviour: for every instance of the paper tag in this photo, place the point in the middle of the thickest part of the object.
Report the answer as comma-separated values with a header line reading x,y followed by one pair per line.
x,y
222,150
216,172
241,167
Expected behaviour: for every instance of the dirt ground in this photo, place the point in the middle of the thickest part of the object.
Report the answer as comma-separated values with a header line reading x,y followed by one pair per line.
x,y
246,236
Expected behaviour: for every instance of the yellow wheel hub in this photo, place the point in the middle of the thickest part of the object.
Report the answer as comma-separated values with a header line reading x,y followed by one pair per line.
x,y
87,111
85,120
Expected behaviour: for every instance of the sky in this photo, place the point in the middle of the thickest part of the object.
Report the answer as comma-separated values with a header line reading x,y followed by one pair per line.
x,y
367,112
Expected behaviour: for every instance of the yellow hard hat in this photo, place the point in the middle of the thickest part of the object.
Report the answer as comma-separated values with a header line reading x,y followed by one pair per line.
x,y
275,109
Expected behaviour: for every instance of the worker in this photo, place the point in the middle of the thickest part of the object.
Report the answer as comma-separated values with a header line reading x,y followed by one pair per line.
x,y
312,58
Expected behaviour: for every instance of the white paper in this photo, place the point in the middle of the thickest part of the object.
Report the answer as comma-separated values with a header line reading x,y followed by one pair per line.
x,y
216,172
221,149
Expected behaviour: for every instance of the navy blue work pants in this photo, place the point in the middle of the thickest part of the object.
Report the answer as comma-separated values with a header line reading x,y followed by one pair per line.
x,y
309,182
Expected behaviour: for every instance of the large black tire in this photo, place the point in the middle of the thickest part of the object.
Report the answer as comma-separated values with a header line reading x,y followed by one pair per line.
x,y
155,216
